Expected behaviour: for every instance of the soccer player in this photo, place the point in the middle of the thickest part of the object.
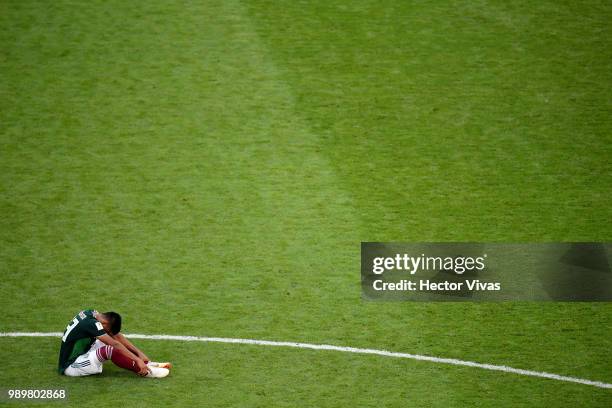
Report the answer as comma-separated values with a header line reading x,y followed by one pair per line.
x,y
92,338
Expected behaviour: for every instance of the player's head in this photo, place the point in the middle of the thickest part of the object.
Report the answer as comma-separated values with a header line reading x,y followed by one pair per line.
x,y
111,321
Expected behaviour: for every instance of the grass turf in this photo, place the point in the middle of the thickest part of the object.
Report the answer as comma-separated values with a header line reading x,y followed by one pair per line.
x,y
210,169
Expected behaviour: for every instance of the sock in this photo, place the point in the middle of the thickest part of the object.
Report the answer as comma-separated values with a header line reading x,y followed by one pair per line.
x,y
104,353
123,360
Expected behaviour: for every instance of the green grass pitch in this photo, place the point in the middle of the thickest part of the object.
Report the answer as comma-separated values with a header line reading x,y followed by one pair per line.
x,y
210,168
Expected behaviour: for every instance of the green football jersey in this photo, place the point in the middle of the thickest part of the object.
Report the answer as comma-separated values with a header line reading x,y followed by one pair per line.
x,y
78,337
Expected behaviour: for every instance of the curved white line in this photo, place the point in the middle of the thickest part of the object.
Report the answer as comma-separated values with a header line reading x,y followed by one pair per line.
x,y
384,353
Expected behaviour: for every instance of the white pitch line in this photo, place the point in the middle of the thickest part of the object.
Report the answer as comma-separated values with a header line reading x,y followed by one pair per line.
x,y
384,353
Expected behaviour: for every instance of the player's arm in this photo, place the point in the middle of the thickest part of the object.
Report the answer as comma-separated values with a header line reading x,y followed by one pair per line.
x,y
128,344
110,341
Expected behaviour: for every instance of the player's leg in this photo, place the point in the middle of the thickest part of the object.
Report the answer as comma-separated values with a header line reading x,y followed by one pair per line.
x,y
104,353
85,364
92,362
121,359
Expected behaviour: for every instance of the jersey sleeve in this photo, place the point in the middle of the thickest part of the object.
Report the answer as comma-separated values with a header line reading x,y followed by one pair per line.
x,y
94,328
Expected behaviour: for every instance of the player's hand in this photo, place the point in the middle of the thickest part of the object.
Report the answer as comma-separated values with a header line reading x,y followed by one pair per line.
x,y
144,357
142,367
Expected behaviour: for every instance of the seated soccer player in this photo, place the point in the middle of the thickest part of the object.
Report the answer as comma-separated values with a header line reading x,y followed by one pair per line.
x,y
92,338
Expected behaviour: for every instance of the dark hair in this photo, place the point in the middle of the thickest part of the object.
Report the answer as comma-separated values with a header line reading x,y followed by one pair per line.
x,y
115,321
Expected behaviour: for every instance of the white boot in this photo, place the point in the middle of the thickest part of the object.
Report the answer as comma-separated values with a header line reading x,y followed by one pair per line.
x,y
157,372
162,365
